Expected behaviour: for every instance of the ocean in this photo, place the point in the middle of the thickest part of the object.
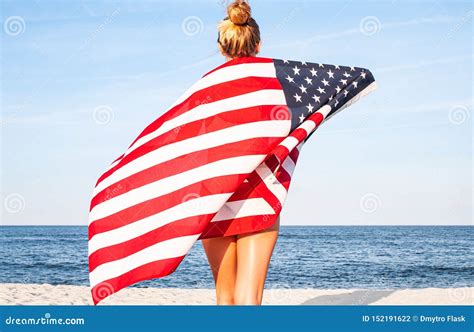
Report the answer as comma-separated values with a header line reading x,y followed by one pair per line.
x,y
326,257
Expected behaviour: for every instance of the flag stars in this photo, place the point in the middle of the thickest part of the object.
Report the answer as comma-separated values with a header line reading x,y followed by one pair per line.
x,y
296,70
363,74
303,88
343,81
354,84
310,108
326,83
346,93
321,65
286,61
337,67
289,79
297,98
317,99
303,63
352,69
308,81
313,72
301,117
330,74
321,90
338,89
346,74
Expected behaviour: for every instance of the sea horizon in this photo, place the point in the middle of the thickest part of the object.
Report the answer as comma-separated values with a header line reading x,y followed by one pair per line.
x,y
309,256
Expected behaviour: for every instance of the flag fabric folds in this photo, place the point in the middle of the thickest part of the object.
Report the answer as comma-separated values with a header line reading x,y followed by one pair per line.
x,y
218,162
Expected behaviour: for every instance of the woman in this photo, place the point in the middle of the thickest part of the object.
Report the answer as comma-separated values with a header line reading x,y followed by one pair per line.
x,y
239,263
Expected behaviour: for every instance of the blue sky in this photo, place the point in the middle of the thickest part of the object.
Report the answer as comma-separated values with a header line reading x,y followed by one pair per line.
x,y
80,79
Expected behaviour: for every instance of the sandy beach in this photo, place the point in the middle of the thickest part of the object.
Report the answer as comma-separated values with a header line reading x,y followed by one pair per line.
x,y
45,294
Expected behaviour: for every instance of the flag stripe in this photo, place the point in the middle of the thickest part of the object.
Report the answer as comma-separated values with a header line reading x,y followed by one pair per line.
x,y
229,166
225,75
158,153
226,89
230,73
199,206
182,227
218,162
213,109
162,250
180,164
243,208
218,184
156,269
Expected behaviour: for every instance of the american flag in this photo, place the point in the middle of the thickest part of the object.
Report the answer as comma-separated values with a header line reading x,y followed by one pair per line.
x,y
218,162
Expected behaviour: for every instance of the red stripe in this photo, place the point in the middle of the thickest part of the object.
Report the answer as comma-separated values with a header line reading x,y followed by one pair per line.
x,y
183,227
283,177
250,223
225,90
196,128
118,158
216,185
151,270
222,90
239,61
237,226
182,164
294,154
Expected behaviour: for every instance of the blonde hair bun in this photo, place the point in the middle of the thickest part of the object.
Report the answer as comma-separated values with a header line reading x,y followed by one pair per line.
x,y
239,12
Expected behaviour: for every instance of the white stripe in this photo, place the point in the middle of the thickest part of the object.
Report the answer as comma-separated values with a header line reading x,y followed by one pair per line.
x,y
289,165
324,110
308,126
229,166
203,111
228,74
272,182
243,208
272,128
167,249
289,142
194,207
